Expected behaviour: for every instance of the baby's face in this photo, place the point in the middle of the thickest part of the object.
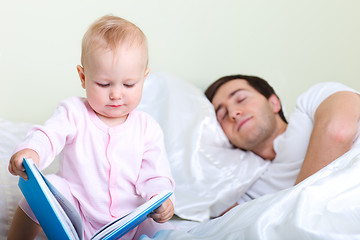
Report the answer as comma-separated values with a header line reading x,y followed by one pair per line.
x,y
113,81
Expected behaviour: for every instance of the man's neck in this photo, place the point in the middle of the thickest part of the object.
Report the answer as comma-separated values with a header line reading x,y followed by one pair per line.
x,y
266,150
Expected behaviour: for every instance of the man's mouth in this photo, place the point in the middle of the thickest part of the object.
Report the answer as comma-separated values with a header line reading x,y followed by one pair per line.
x,y
243,122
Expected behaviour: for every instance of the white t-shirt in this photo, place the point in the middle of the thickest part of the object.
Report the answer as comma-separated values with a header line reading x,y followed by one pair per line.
x,y
291,146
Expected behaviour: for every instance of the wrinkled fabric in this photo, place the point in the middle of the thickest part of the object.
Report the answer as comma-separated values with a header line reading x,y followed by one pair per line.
x,y
210,175
323,206
10,135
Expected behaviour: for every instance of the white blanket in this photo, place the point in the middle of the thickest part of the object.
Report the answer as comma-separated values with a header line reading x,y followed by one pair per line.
x,y
324,206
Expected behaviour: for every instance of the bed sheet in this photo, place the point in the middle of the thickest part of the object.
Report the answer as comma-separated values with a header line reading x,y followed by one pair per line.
x,y
324,206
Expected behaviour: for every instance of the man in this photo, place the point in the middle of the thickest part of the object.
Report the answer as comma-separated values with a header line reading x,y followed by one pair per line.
x,y
323,127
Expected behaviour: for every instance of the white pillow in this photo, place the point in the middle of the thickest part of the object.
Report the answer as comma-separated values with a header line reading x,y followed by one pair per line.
x,y
11,134
210,175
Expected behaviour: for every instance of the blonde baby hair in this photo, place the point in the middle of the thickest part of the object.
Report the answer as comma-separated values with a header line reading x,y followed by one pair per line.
x,y
110,32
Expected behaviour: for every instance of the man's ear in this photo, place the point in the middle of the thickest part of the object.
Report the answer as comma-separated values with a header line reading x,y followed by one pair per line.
x,y
81,73
275,103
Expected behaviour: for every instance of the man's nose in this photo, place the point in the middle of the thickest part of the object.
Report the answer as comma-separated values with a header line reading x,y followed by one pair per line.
x,y
235,112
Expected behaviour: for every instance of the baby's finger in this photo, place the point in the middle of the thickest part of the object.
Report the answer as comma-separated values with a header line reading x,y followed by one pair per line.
x,y
161,218
21,173
159,209
13,169
157,217
154,215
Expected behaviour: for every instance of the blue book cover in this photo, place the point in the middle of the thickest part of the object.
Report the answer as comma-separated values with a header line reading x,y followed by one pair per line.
x,y
60,220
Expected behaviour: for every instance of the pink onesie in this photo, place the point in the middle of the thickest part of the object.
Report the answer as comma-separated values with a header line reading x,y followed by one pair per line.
x,y
105,171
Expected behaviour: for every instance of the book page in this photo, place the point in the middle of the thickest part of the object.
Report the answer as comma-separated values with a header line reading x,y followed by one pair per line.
x,y
121,226
68,208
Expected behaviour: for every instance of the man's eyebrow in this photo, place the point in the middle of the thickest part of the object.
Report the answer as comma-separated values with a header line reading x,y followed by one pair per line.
x,y
230,95
233,93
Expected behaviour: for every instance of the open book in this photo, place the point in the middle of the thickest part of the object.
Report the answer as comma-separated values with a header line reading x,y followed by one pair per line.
x,y
60,220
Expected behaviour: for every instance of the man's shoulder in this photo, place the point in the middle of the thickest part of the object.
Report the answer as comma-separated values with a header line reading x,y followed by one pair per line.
x,y
329,88
308,102
319,92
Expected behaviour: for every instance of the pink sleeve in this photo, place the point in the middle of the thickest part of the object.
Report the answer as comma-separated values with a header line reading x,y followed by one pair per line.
x,y
49,139
155,174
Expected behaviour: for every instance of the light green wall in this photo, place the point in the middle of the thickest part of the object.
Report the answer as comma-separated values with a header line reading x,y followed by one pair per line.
x,y
293,44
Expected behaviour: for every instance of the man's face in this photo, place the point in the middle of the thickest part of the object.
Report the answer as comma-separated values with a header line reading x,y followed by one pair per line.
x,y
246,116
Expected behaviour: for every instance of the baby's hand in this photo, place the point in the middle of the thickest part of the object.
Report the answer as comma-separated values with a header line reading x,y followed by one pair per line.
x,y
164,212
15,165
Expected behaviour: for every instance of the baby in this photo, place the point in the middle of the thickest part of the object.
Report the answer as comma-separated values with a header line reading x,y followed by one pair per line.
x,y
113,157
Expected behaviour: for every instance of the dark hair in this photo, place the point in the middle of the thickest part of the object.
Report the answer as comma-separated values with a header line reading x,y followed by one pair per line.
x,y
259,84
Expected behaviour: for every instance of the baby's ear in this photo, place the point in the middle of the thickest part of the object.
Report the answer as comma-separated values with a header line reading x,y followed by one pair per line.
x,y
80,71
147,70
